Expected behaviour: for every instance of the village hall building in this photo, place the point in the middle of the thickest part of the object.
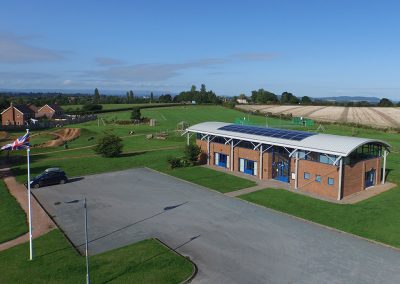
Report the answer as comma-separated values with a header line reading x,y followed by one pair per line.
x,y
326,165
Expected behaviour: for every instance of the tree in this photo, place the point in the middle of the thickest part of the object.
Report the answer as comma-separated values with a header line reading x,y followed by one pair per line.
x,y
151,97
192,152
306,100
136,115
385,103
193,89
288,98
91,107
165,98
109,146
262,96
203,89
131,95
96,98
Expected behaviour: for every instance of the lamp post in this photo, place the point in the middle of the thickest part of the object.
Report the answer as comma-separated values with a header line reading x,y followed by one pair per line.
x,y
86,236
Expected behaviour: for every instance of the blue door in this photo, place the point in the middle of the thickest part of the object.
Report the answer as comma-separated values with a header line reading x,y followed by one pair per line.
x,y
370,178
280,164
222,160
248,167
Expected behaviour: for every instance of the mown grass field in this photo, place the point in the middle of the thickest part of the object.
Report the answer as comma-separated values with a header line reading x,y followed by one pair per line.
x,y
56,261
12,217
376,218
106,106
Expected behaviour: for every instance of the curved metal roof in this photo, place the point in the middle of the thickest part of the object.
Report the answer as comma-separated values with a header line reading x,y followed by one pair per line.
x,y
322,143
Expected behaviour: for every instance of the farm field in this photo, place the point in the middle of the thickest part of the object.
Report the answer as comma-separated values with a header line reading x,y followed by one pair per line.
x,y
380,117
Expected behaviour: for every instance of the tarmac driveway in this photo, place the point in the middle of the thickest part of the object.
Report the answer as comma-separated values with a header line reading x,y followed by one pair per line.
x,y
230,240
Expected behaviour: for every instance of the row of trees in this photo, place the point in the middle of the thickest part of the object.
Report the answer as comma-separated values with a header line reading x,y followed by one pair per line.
x,y
262,96
199,96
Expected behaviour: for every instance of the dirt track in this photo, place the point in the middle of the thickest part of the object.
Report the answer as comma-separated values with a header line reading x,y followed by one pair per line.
x,y
63,135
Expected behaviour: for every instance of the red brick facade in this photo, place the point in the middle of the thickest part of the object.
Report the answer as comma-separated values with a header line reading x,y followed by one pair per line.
x,y
353,177
310,185
15,115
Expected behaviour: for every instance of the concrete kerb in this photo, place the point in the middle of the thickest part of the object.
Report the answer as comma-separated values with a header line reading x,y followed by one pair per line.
x,y
286,214
186,181
195,269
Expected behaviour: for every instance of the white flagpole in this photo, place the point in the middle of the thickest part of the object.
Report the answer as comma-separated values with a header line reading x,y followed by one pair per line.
x,y
29,203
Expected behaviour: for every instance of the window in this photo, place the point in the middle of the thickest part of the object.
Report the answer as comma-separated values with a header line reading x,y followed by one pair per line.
x,y
306,175
318,178
331,181
327,159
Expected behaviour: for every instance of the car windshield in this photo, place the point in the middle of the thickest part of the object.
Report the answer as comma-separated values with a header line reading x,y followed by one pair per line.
x,y
41,175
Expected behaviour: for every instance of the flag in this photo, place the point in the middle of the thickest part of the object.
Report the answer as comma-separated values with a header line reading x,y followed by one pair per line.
x,y
19,144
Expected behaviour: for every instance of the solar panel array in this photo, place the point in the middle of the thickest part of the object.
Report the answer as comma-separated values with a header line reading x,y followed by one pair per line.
x,y
268,132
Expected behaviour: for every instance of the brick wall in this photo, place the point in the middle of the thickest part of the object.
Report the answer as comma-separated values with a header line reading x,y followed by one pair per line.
x,y
203,146
218,148
12,117
354,175
46,111
315,168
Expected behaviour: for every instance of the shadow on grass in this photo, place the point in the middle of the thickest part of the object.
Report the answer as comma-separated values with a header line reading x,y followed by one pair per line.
x,y
132,154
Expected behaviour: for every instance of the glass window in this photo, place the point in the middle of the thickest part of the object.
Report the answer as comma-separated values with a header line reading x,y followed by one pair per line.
x,y
331,181
306,175
318,178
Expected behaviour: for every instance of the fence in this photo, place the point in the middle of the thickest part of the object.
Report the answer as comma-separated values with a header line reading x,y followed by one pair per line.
x,y
51,123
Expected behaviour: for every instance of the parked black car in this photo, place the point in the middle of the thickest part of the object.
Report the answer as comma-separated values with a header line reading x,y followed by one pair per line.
x,y
49,177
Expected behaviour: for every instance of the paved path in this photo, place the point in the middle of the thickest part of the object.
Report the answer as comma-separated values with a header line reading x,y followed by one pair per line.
x,y
41,223
230,240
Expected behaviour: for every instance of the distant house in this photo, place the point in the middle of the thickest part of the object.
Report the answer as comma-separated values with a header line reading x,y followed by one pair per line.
x,y
50,111
17,115
241,101
33,107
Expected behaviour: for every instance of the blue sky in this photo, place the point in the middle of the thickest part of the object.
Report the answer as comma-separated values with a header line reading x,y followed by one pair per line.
x,y
314,48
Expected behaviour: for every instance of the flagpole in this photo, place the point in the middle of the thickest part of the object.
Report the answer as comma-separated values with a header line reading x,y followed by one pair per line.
x,y
29,203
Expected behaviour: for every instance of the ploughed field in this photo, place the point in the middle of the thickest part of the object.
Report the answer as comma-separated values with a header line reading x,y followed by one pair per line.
x,y
381,117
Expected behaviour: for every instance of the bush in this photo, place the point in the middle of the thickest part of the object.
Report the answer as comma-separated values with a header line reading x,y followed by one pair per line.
x,y
174,162
92,107
109,146
192,152
136,115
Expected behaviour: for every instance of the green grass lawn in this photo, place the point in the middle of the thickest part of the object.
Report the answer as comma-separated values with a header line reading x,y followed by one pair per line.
x,y
109,106
216,180
56,261
12,217
375,218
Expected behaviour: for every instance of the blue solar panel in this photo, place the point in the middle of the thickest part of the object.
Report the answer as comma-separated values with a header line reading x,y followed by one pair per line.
x,y
268,132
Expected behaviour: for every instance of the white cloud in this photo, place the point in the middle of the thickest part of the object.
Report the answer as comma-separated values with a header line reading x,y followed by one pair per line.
x,y
108,61
14,49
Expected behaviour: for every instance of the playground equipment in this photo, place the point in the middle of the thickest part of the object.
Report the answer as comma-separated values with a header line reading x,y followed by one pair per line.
x,y
181,127
303,121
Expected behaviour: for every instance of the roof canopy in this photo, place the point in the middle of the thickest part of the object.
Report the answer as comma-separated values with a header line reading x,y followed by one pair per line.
x,y
301,140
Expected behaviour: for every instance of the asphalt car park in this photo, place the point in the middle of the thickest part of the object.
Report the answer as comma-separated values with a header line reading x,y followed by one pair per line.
x,y
230,240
